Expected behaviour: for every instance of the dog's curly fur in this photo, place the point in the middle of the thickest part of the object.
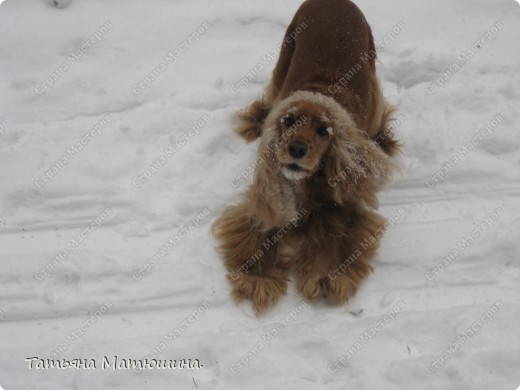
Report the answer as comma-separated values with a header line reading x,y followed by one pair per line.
x,y
324,153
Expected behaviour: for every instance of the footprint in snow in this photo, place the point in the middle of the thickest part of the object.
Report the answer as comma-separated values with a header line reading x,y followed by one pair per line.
x,y
59,3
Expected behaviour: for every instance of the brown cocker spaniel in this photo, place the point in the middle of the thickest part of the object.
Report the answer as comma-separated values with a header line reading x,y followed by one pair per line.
x,y
325,148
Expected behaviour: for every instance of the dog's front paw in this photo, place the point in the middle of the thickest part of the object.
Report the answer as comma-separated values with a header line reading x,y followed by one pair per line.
x,y
310,286
263,290
337,290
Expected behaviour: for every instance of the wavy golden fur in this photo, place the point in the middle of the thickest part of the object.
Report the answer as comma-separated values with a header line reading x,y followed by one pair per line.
x,y
324,153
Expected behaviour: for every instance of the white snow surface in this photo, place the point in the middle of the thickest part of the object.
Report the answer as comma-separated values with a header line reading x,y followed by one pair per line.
x,y
404,317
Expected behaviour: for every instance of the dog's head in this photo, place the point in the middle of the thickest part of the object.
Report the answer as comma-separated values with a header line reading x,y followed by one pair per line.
x,y
305,133
309,133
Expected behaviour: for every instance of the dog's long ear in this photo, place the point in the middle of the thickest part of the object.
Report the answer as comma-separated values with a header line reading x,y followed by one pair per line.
x,y
264,193
251,119
356,167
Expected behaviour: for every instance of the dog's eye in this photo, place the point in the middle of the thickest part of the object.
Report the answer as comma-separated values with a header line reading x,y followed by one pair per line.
x,y
288,121
323,131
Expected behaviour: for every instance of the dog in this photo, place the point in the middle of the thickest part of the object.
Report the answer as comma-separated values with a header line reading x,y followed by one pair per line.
x,y
326,143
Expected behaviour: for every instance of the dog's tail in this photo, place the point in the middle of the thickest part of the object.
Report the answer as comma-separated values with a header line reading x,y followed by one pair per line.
x,y
381,122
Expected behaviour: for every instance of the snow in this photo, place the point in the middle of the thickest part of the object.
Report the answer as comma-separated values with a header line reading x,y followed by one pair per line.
x,y
115,167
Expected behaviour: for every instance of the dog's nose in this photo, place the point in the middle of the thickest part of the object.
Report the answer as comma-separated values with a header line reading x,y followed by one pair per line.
x,y
297,149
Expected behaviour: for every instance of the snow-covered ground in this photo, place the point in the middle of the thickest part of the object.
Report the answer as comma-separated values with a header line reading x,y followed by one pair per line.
x,y
110,182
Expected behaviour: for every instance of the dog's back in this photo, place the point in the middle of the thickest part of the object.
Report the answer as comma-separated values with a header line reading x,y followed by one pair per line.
x,y
328,48
332,52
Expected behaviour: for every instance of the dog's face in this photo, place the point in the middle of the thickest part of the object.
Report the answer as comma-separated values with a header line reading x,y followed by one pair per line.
x,y
304,139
